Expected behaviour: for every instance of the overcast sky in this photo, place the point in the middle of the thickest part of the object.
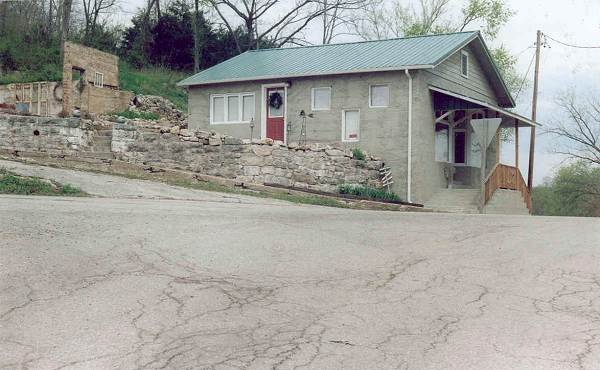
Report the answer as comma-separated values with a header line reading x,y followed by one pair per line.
x,y
562,70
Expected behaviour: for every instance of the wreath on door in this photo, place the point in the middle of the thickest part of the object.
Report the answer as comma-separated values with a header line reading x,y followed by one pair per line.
x,y
275,100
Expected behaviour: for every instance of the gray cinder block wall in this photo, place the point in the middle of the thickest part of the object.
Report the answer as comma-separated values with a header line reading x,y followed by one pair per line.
x,y
383,131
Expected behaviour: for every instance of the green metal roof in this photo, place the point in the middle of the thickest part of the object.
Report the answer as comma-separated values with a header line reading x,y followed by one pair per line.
x,y
394,54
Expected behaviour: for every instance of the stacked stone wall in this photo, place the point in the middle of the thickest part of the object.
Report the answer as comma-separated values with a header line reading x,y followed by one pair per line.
x,y
45,134
316,167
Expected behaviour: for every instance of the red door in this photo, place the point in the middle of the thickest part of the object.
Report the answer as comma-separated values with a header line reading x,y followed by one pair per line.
x,y
275,113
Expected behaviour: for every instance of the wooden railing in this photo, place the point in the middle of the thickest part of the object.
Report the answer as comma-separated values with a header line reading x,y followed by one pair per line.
x,y
506,177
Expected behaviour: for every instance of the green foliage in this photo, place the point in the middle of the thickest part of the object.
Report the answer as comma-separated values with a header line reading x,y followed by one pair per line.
x,y
13,184
492,14
574,191
507,65
130,114
169,41
357,153
154,81
368,192
38,61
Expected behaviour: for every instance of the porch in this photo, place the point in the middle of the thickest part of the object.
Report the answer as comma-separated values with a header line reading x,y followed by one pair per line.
x,y
468,138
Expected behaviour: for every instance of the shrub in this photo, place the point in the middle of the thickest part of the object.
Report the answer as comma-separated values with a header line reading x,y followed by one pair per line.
x,y
368,192
130,114
358,154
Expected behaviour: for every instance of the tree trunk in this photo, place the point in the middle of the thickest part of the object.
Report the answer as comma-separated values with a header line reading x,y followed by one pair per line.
x,y
66,15
196,39
50,8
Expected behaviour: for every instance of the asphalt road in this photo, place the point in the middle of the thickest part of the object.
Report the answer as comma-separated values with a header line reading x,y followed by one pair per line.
x,y
225,282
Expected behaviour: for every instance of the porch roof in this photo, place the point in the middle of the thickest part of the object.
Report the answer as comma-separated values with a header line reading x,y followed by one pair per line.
x,y
447,100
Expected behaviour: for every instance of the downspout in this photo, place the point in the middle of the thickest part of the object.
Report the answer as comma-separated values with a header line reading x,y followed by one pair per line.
x,y
409,154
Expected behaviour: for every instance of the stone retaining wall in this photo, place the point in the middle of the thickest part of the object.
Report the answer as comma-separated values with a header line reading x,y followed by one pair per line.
x,y
45,134
318,167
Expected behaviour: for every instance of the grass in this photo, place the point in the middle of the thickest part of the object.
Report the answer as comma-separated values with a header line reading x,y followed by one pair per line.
x,y
154,81
29,60
129,114
206,186
48,73
368,192
358,154
11,183
211,186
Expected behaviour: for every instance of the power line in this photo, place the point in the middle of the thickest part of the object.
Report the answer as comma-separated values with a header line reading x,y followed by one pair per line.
x,y
525,77
524,50
571,45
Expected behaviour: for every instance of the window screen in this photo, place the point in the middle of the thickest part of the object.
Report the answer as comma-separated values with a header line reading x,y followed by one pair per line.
x,y
247,108
351,125
380,96
233,108
218,113
321,98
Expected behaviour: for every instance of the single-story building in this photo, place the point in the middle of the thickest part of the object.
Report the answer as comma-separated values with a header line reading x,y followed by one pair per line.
x,y
426,105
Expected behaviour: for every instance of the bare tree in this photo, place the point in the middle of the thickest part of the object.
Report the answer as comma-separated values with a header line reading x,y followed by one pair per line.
x,y
281,22
92,11
379,21
580,131
336,19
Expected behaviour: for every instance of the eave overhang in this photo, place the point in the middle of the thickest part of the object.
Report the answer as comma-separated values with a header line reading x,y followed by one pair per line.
x,y
453,101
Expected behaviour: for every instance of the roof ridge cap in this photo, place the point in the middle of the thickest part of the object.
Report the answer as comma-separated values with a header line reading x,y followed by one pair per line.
x,y
362,42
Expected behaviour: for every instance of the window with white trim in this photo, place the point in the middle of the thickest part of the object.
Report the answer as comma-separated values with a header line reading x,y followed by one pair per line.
x,y
99,79
379,96
464,64
351,125
231,108
321,98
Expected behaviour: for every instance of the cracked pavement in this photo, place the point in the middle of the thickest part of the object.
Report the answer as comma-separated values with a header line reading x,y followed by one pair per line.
x,y
103,283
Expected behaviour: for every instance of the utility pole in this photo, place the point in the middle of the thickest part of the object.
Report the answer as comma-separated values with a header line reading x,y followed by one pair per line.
x,y
538,47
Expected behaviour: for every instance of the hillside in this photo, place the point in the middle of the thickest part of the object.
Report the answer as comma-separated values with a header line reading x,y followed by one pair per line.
x,y
29,65
154,81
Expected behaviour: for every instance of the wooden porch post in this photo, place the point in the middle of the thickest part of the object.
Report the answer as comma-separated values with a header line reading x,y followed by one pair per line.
x,y
483,168
517,144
